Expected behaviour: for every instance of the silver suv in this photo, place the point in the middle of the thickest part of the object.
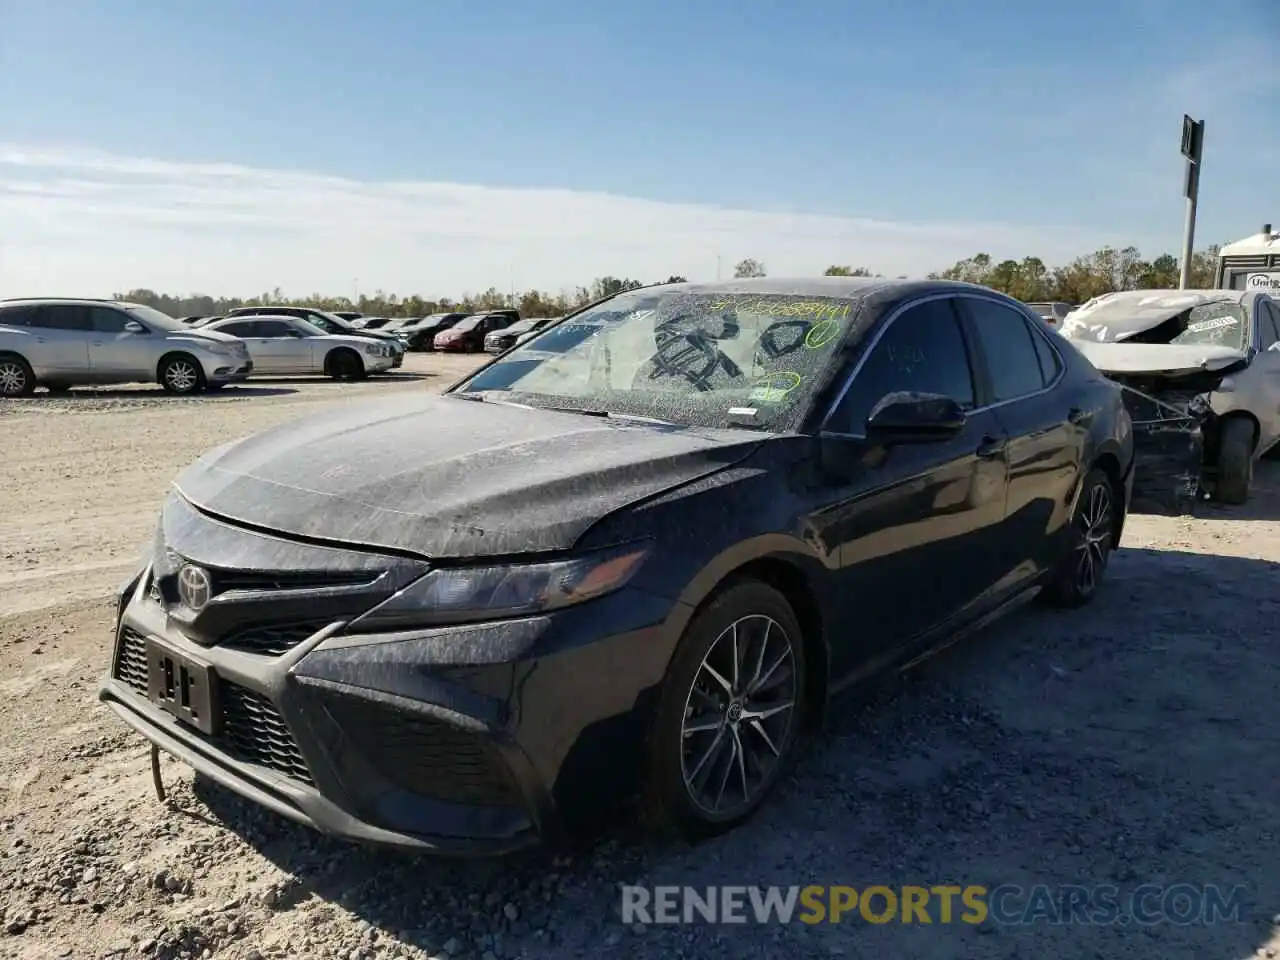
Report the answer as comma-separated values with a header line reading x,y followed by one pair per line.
x,y
60,343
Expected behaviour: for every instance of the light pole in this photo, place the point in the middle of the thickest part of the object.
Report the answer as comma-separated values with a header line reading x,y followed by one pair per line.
x,y
1193,150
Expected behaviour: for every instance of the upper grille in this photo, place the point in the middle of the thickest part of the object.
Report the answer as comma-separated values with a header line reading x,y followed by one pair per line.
x,y
425,756
252,729
273,640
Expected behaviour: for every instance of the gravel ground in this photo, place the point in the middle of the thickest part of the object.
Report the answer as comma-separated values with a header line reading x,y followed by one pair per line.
x,y
1129,743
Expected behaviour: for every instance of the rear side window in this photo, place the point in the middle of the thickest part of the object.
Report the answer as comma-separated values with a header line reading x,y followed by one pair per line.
x,y
271,328
62,316
1050,364
243,329
1008,343
20,317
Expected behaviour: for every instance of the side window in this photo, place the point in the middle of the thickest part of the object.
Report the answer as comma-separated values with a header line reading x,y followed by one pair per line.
x,y
238,329
1005,337
1050,364
271,328
106,320
921,351
61,316
1270,323
20,317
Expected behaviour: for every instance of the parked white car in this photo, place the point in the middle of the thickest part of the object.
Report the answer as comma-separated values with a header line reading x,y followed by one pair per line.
x,y
286,345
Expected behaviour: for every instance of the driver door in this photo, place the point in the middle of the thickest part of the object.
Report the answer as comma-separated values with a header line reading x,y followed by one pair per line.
x,y
283,347
1268,375
915,522
119,354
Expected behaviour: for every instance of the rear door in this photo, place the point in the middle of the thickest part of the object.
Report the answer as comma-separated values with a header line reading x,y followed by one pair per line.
x,y
116,354
1046,438
64,338
917,527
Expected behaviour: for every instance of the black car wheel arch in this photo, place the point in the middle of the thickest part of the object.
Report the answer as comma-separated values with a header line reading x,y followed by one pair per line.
x,y
718,747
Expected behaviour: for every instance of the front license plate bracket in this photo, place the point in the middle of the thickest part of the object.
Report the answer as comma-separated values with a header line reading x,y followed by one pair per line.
x,y
183,688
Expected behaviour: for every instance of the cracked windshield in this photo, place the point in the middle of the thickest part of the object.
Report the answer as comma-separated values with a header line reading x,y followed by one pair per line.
x,y
706,360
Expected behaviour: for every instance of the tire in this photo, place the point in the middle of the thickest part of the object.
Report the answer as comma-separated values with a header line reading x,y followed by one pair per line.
x,y
180,374
1091,543
686,765
57,387
1235,461
346,365
16,378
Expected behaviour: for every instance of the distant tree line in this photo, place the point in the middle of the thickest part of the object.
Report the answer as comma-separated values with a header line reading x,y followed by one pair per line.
x,y
1029,279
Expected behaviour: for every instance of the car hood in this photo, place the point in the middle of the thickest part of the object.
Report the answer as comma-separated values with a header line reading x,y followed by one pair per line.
x,y
375,334
1118,316
198,334
442,477
1158,358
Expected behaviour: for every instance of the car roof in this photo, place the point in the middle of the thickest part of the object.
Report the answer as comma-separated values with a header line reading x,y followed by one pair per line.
x,y
68,300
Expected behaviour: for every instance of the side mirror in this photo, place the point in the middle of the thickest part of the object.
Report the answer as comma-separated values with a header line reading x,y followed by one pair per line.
x,y
133,326
914,418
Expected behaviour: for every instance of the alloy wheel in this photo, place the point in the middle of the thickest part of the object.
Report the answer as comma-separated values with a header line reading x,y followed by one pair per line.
x,y
13,379
181,376
1095,532
738,716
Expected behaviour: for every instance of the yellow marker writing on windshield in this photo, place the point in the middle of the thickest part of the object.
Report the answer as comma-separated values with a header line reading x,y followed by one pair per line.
x,y
774,387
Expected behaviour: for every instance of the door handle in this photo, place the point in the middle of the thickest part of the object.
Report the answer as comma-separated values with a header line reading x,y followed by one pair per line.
x,y
1076,416
991,447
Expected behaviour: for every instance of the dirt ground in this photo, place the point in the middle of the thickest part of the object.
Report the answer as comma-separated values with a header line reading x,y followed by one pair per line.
x,y
1130,743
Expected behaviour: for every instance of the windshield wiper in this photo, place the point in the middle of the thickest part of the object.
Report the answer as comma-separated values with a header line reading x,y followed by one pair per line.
x,y
589,412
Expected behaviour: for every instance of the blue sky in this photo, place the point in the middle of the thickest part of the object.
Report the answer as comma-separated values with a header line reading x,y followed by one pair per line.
x,y
1049,128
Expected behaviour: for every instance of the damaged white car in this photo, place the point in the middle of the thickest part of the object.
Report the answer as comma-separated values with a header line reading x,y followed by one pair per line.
x,y
1201,370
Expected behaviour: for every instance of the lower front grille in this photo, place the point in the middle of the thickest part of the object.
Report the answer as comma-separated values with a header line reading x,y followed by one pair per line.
x,y
252,729
424,756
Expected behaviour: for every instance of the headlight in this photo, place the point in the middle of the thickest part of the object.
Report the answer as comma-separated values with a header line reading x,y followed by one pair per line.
x,y
217,346
462,594
375,350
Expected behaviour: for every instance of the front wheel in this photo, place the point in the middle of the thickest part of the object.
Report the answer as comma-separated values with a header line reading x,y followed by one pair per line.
x,y
1091,541
345,365
1235,461
729,715
181,374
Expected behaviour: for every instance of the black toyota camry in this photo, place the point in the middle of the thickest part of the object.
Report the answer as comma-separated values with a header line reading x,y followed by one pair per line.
x,y
631,559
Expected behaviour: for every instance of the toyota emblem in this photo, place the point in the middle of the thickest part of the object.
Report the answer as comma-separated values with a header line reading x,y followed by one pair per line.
x,y
194,586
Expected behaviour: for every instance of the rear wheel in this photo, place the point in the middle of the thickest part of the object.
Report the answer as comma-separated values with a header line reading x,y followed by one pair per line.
x,y
181,374
1092,540
16,378
1235,461
729,715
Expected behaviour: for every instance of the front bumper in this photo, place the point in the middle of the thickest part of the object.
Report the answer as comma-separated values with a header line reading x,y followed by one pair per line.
x,y
379,364
1169,447
231,370
476,739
